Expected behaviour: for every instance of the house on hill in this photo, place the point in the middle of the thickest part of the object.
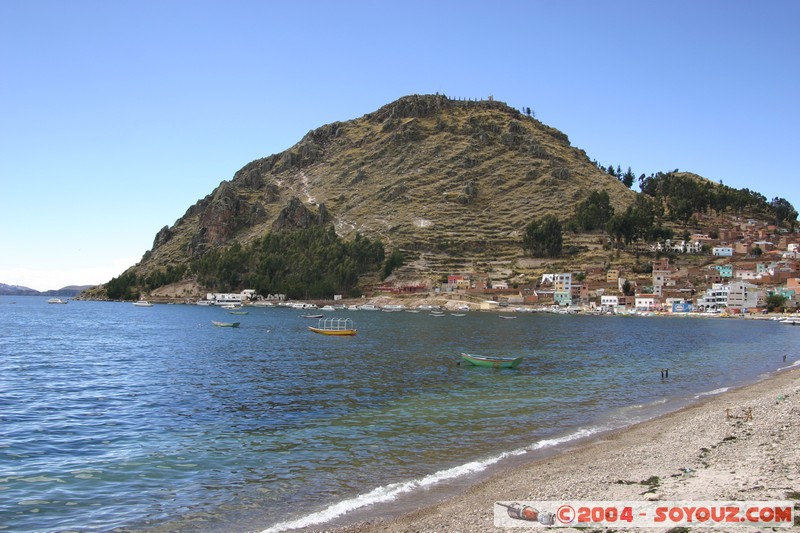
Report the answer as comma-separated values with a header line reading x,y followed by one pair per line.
x,y
647,302
722,251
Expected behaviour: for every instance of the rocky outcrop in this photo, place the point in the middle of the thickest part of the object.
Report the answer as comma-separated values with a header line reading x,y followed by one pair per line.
x,y
163,236
297,216
225,214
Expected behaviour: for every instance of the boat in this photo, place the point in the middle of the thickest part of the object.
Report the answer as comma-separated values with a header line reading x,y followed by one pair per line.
x,y
491,362
225,324
56,301
369,307
327,308
508,317
334,326
792,321
232,312
311,316
143,303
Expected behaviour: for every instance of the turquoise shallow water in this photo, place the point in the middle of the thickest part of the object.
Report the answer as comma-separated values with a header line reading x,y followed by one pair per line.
x,y
113,416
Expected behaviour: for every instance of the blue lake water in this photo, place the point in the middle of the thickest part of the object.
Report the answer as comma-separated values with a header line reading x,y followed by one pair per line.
x,y
115,416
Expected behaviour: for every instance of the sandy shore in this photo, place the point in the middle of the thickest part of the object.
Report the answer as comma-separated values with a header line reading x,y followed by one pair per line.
x,y
741,445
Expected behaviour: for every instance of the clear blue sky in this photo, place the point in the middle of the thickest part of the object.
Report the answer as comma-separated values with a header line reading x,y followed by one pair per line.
x,y
116,116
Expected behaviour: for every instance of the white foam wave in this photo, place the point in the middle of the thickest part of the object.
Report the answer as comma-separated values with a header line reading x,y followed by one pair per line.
x,y
383,494
638,406
712,392
390,492
579,434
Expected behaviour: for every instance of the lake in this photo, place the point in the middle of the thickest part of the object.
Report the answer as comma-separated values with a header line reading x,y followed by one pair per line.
x,y
116,416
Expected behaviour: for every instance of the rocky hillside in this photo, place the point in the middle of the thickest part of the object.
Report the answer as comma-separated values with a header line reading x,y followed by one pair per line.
x,y
436,177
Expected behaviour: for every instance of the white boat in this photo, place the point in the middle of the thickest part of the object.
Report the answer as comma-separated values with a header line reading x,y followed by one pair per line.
x,y
143,303
204,302
327,308
792,321
369,307
56,301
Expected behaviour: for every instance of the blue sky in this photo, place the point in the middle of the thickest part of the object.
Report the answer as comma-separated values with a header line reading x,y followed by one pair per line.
x,y
115,117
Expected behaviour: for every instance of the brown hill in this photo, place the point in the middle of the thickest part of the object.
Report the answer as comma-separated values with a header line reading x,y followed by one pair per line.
x,y
451,182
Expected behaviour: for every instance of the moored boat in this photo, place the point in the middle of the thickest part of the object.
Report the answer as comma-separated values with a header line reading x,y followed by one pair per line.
x,y
491,362
143,303
56,301
225,324
334,326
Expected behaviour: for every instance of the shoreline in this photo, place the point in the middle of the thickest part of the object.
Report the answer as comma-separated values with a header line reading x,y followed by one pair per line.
x,y
742,444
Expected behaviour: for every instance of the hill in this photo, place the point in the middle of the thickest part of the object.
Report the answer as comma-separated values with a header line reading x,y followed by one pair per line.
x,y
449,182
16,290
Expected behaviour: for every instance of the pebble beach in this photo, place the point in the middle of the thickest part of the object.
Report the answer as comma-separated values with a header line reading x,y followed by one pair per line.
x,y
740,445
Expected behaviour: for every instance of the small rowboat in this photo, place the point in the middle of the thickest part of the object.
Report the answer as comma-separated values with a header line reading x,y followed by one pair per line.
x,y
225,324
334,326
311,316
491,362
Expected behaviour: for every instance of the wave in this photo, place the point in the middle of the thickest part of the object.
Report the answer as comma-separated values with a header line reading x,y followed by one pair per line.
x,y
637,406
390,492
711,392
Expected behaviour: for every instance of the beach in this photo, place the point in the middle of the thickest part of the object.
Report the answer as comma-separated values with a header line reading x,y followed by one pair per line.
x,y
739,445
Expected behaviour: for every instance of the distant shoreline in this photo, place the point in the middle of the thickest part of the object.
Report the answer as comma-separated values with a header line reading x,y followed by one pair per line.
x,y
450,305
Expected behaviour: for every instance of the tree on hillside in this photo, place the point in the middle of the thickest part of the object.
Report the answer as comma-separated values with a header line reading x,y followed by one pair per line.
x,y
594,212
784,212
775,302
544,238
628,178
627,288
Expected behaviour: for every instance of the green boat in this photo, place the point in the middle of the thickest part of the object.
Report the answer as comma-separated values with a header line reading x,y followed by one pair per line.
x,y
491,362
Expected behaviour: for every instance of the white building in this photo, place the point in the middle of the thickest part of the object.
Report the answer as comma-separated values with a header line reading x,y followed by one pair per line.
x,y
609,302
562,282
715,298
745,275
722,251
743,295
645,302
222,298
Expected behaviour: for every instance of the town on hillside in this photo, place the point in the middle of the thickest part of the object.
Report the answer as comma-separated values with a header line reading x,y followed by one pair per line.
x,y
751,267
